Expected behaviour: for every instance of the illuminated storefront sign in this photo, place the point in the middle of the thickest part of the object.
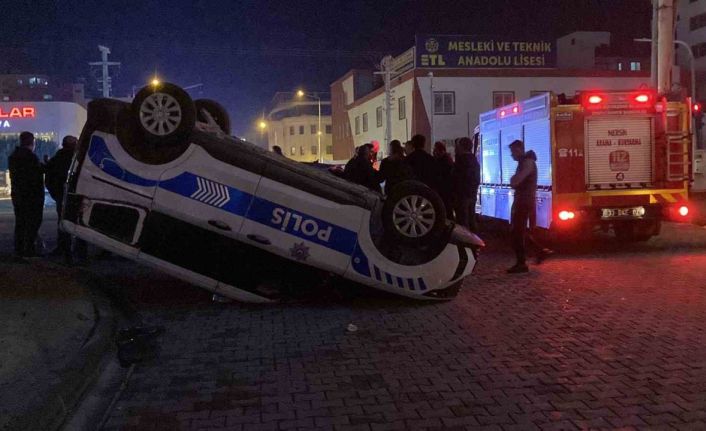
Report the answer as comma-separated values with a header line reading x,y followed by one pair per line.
x,y
18,112
478,52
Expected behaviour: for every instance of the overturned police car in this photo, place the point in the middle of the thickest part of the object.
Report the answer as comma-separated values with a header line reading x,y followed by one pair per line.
x,y
160,181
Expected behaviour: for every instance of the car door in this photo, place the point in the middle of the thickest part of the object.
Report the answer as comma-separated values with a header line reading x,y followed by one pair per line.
x,y
300,218
198,212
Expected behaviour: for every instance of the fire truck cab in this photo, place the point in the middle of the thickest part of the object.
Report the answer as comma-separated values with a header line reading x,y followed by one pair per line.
x,y
606,160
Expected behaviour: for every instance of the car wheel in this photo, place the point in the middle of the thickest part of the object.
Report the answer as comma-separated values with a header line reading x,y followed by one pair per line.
x,y
215,110
414,214
164,113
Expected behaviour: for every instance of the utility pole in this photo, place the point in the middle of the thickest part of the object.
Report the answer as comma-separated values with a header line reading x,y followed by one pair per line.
x,y
431,106
386,66
653,59
665,45
104,64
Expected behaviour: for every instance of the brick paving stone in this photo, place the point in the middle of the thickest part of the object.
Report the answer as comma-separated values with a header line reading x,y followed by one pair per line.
x,y
604,338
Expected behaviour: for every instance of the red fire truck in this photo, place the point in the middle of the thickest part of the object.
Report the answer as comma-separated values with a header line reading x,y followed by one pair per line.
x,y
605,159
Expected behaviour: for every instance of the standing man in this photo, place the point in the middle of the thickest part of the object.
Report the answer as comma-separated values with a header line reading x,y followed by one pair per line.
x,y
466,180
444,169
422,163
57,170
26,176
393,169
360,169
525,184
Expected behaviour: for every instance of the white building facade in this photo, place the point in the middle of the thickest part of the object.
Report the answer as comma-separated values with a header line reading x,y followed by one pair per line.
x,y
441,86
691,28
447,105
300,126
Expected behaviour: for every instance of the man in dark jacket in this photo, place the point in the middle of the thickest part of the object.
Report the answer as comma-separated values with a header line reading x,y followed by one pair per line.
x,y
360,170
442,182
57,169
466,180
525,184
422,163
26,177
393,169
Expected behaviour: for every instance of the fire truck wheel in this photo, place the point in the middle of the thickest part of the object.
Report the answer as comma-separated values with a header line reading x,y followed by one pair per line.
x,y
414,214
215,110
164,113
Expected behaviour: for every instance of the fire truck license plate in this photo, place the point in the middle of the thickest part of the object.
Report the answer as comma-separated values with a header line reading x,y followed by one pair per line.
x,y
636,212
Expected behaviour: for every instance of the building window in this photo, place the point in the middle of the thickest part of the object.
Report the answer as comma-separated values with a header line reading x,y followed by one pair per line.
x,y
301,130
293,151
444,102
314,150
402,108
328,129
698,21
699,50
48,97
313,129
502,98
635,66
365,122
378,116
301,150
291,130
357,125
329,149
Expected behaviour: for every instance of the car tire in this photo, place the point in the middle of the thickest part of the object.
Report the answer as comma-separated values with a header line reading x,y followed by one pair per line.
x,y
163,113
216,110
414,214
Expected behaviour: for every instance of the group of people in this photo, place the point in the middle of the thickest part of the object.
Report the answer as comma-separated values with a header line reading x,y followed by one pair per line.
x,y
456,182
29,177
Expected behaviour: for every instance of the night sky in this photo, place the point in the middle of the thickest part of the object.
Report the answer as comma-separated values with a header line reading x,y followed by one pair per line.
x,y
245,51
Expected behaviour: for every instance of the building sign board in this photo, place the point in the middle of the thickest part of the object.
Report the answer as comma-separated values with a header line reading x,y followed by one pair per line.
x,y
483,52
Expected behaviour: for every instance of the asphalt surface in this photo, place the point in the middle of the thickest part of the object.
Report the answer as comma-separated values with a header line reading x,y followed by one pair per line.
x,y
602,335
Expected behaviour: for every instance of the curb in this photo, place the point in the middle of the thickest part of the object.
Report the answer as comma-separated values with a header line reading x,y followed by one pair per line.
x,y
81,371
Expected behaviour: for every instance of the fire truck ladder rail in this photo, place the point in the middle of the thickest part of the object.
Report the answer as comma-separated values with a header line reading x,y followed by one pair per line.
x,y
678,156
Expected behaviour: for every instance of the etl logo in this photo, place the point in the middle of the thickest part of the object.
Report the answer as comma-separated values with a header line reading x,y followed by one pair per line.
x,y
293,222
432,60
18,112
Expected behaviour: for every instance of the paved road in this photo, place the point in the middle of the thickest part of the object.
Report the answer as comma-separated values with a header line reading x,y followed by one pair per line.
x,y
614,337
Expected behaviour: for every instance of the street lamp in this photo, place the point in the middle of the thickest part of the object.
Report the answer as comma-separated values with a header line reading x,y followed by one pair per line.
x,y
262,125
693,83
301,93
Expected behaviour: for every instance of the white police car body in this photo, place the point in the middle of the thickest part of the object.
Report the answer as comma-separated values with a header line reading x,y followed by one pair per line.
x,y
196,203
